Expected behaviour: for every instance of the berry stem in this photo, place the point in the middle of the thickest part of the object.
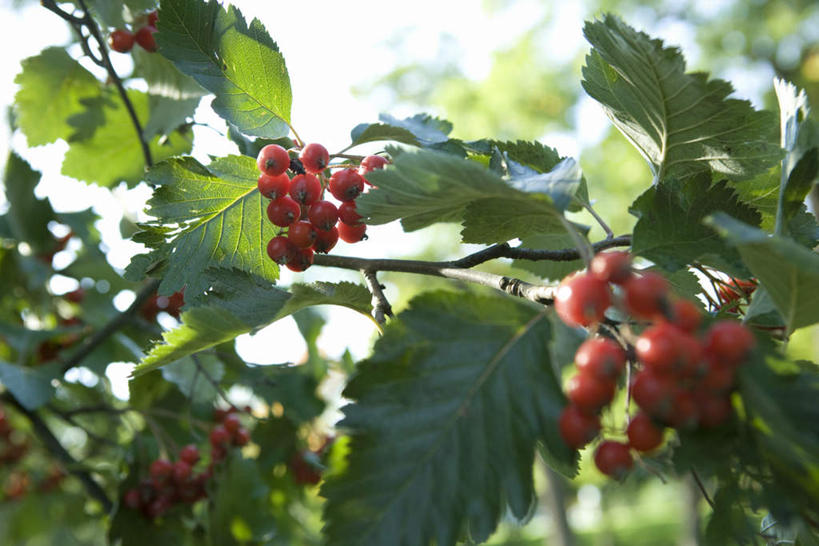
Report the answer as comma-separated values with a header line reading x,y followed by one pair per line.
x,y
296,136
201,370
599,219
702,489
351,157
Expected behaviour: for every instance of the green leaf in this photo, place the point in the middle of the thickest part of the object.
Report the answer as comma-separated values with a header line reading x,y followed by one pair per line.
x,y
27,216
800,166
424,187
374,132
113,154
683,124
450,407
239,509
294,387
788,271
193,375
31,387
163,78
670,230
531,154
219,216
52,85
240,64
237,303
168,114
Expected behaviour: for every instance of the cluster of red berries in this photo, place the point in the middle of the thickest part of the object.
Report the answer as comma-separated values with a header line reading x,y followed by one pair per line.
x,y
732,293
14,445
156,303
123,40
685,376
170,483
298,204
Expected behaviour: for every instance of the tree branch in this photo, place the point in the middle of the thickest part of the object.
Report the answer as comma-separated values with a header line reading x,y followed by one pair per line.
x,y
53,445
459,269
381,306
104,61
99,337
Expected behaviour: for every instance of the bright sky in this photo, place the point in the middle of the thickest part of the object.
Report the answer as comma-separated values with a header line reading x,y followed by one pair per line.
x,y
329,47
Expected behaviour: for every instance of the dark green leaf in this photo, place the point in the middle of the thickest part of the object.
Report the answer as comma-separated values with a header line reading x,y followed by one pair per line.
x,y
194,377
683,124
240,506
374,132
449,408
168,114
237,62
28,216
52,85
670,231
425,187
31,387
113,154
163,78
294,387
789,271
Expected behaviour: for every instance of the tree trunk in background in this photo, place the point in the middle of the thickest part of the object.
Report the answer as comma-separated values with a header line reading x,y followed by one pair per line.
x,y
690,535
556,497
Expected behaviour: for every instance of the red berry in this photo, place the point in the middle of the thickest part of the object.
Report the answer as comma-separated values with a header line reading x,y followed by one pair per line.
x,y
132,499
323,215
346,185
218,453
577,428
75,296
145,38
614,267
181,471
646,296
274,187
281,250
351,234
600,357
314,157
728,342
347,213
283,212
161,469
325,240
613,459
189,454
684,412
685,315
718,377
241,437
643,434
231,423
273,160
371,163
302,259
121,40
653,393
158,506
301,234
582,300
589,393
305,189
659,348
153,17
714,409
219,436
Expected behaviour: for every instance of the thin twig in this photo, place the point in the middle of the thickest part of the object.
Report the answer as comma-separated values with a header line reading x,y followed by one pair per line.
x,y
91,343
200,369
381,306
702,488
603,224
88,22
460,269
53,445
